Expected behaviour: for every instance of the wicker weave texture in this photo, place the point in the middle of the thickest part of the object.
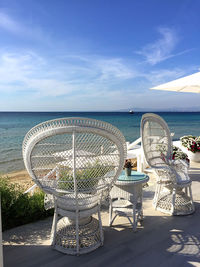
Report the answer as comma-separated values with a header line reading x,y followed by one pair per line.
x,y
172,175
63,166
156,140
75,160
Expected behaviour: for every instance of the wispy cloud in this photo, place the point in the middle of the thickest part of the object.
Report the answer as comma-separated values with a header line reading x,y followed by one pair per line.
x,y
77,82
8,24
156,77
114,68
50,87
14,26
39,76
101,68
32,73
162,48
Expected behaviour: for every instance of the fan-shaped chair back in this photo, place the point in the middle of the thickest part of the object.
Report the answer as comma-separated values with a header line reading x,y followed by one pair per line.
x,y
74,159
156,140
172,175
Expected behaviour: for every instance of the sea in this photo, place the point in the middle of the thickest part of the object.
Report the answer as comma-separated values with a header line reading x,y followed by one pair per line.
x,y
15,125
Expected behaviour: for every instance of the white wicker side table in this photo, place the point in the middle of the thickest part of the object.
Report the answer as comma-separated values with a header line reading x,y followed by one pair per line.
x,y
126,197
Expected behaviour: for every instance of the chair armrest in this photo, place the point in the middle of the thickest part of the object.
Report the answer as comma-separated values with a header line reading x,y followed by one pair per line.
x,y
134,144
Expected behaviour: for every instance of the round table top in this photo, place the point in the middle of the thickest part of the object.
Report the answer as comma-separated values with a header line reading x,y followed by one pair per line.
x,y
135,177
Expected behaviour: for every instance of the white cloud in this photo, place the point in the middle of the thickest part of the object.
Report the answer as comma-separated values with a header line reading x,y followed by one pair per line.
x,y
101,68
163,75
162,48
156,77
50,87
17,67
114,68
27,30
29,72
91,82
7,23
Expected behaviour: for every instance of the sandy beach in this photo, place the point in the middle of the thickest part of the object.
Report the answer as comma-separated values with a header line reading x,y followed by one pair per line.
x,y
23,179
20,177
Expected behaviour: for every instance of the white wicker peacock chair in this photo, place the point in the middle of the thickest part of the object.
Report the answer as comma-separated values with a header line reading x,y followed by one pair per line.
x,y
172,175
76,160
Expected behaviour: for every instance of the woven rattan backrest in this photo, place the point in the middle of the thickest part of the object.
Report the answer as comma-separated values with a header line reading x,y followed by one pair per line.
x,y
74,156
156,140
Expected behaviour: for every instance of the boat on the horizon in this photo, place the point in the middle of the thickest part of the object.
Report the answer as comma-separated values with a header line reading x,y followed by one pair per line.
x,y
131,111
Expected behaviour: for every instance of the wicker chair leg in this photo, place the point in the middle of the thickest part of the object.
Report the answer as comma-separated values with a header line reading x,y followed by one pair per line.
x,y
157,194
54,225
113,219
186,191
100,227
134,218
110,212
140,214
173,200
77,235
191,198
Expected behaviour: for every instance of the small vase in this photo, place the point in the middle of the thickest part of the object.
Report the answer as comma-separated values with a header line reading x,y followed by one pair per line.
x,y
128,171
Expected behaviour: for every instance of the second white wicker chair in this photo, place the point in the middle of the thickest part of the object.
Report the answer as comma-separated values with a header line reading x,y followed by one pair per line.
x,y
172,176
75,160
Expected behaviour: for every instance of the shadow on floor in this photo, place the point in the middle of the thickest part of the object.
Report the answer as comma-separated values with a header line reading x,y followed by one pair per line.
x,y
161,241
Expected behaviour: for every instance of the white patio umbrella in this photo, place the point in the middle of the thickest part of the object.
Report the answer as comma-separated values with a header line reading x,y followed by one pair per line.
x,y
189,83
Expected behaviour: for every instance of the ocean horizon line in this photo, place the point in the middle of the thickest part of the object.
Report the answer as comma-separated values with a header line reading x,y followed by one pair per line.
x,y
103,111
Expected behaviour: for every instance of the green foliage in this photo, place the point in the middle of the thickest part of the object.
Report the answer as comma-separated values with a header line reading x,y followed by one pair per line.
x,y
86,178
19,208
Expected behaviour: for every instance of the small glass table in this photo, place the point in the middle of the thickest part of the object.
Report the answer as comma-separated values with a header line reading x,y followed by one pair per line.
x,y
126,197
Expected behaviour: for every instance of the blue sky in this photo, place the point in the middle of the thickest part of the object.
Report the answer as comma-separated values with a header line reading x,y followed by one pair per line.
x,y
89,55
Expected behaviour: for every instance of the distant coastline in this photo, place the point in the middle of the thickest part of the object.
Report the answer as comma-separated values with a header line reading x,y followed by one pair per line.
x,y
139,110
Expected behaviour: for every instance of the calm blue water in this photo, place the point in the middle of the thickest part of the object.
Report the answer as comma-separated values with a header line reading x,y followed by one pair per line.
x,y
14,126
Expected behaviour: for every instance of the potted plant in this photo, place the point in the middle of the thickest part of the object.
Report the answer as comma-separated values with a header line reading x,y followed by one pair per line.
x,y
179,154
127,167
191,144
